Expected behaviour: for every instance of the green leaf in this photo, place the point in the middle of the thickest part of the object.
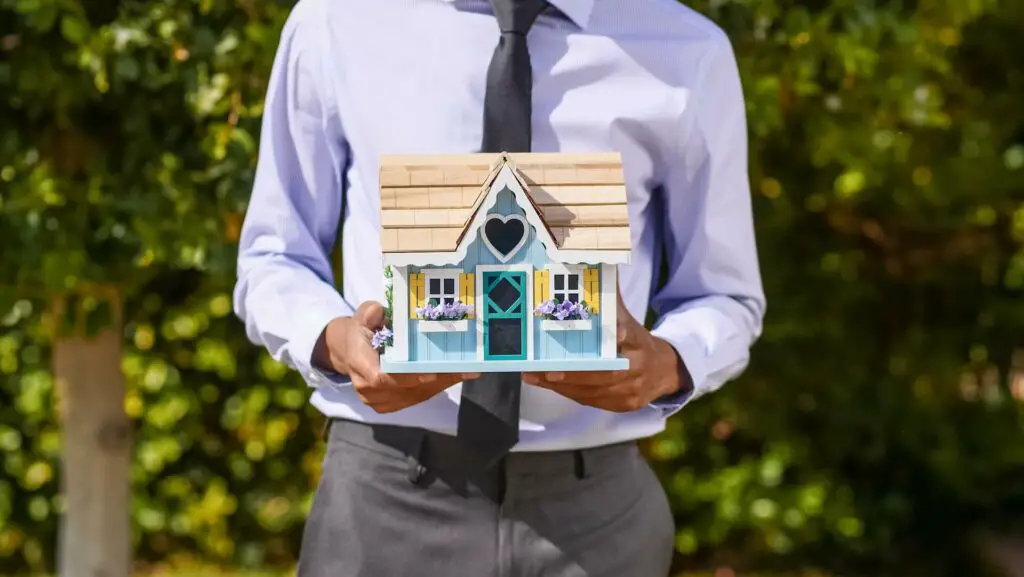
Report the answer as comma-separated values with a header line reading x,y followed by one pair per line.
x,y
74,29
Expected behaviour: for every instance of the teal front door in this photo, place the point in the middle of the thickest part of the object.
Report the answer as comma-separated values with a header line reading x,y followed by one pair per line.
x,y
505,315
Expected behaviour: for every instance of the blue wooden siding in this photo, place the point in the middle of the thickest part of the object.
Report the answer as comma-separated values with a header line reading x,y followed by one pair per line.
x,y
547,344
568,344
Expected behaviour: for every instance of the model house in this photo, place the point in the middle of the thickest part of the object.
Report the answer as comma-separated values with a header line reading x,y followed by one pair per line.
x,y
503,262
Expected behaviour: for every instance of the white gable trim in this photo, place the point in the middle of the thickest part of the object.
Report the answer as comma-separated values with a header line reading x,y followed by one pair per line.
x,y
506,178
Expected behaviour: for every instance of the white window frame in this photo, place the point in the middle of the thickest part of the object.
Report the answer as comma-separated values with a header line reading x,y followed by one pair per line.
x,y
440,274
565,270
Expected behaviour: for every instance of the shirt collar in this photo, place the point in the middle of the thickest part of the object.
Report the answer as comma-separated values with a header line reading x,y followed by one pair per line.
x,y
576,10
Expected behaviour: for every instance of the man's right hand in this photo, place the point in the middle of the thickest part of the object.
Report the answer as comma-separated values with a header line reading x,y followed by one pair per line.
x,y
344,347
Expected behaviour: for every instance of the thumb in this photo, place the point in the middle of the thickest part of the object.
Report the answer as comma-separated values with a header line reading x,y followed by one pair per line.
x,y
623,313
626,329
626,332
370,314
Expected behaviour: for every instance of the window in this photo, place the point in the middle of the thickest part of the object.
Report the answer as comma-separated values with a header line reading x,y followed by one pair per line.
x,y
566,286
442,286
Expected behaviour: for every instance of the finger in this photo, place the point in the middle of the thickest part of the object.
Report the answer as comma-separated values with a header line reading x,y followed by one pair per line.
x,y
408,381
370,314
638,361
628,330
626,333
580,378
584,393
415,380
622,313
554,377
534,378
397,403
620,397
363,361
395,399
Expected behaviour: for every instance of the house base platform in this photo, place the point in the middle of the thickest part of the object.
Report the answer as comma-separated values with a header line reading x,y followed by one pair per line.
x,y
527,366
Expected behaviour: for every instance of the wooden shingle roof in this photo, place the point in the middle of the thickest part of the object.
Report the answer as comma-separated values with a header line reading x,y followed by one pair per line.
x,y
428,201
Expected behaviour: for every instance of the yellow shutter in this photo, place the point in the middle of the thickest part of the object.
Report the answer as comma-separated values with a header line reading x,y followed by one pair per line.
x,y
467,289
591,289
540,287
416,292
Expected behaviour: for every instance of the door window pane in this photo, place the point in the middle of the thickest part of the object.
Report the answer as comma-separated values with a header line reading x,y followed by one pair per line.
x,y
505,337
504,294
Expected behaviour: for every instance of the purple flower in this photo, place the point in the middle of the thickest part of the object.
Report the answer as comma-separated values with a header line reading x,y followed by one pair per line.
x,y
545,308
381,338
565,310
452,311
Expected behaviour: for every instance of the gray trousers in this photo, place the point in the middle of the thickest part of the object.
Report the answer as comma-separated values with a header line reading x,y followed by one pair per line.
x,y
397,501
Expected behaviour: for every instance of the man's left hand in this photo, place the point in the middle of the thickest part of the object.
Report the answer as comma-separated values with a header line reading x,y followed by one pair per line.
x,y
654,371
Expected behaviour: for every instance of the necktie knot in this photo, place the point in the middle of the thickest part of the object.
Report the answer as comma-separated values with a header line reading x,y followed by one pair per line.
x,y
517,16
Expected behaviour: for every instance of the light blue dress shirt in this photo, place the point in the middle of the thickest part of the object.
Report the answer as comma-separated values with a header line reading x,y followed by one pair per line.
x,y
650,79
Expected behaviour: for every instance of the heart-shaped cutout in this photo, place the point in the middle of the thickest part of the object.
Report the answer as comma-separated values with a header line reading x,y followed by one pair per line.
x,y
504,235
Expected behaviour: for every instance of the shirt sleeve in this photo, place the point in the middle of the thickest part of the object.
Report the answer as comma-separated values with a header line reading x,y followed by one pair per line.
x,y
285,292
712,304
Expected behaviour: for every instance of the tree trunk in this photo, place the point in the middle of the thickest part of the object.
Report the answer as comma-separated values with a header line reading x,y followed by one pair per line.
x,y
95,536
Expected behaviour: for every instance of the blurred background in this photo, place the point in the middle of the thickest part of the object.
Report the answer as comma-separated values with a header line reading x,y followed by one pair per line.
x,y
877,432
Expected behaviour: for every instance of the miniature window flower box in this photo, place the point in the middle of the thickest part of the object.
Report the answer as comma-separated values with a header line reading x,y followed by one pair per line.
x,y
567,325
459,326
451,317
564,316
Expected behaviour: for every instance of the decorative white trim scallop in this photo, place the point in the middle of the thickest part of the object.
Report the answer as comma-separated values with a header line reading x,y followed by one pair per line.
x,y
565,268
453,258
505,219
443,326
568,325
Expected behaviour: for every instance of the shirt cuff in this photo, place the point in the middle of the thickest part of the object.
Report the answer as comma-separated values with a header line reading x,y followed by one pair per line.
x,y
310,323
691,357
317,378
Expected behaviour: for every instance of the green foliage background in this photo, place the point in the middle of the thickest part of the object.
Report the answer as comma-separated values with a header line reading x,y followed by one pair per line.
x,y
877,432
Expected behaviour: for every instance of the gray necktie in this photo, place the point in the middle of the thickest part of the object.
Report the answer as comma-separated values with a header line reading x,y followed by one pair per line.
x,y
489,410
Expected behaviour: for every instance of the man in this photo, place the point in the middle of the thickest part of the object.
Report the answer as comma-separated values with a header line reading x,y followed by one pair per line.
x,y
565,492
